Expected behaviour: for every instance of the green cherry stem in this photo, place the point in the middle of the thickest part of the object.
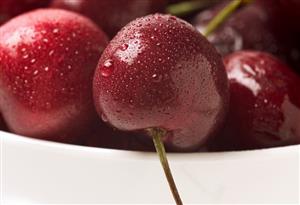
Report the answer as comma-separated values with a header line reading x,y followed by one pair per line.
x,y
222,16
157,135
187,7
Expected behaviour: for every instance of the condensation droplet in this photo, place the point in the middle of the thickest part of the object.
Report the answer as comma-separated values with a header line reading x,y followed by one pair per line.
x,y
104,117
35,72
107,68
124,46
51,52
56,30
156,78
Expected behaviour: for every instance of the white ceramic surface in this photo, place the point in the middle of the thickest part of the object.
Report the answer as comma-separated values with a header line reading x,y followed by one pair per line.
x,y
34,171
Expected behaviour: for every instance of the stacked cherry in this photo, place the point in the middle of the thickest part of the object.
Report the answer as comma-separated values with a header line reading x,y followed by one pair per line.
x,y
158,78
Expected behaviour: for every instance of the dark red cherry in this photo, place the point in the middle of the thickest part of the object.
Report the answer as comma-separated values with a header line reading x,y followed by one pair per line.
x,y
252,27
47,61
264,103
160,72
283,12
112,15
2,124
107,137
11,8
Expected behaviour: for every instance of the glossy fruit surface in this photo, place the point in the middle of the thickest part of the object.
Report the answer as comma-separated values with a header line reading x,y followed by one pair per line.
x,y
264,103
11,8
253,27
47,61
159,72
112,15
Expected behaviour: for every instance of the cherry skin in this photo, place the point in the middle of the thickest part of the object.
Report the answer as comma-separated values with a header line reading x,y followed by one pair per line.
x,y
252,27
47,61
104,136
112,15
2,124
264,103
160,72
11,8
283,12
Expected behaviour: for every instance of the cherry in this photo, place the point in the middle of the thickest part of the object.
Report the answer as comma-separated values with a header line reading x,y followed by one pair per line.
x,y
11,8
144,80
160,75
111,16
264,104
47,61
106,137
252,28
283,12
2,124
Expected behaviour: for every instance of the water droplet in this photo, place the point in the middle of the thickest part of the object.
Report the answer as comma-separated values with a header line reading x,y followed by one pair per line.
x,y
158,44
45,40
25,56
56,30
124,46
107,68
51,52
35,72
46,68
33,60
172,17
156,78
104,117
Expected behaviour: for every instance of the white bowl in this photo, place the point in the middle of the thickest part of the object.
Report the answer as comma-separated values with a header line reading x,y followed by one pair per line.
x,y
36,171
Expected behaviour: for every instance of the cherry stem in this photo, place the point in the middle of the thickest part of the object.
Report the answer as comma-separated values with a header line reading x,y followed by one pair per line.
x,y
157,135
222,16
187,7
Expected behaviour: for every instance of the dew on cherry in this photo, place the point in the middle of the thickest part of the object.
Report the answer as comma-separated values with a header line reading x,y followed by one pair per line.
x,y
107,68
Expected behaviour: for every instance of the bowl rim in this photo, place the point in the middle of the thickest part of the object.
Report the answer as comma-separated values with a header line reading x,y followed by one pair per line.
x,y
27,142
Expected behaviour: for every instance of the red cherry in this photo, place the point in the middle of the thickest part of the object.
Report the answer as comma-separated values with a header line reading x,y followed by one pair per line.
x,y
111,15
264,103
107,137
159,72
2,124
11,8
283,12
47,61
252,27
